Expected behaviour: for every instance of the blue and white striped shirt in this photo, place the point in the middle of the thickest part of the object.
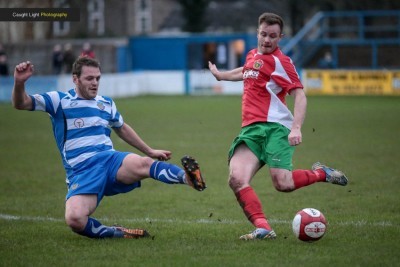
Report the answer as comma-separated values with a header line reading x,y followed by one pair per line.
x,y
81,127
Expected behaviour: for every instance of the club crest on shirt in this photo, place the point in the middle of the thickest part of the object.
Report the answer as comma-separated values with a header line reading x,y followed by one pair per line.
x,y
258,64
100,105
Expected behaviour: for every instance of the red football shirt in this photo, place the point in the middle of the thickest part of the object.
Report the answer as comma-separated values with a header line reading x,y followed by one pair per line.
x,y
267,80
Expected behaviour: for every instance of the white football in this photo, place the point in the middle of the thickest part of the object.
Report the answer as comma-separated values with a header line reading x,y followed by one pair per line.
x,y
309,225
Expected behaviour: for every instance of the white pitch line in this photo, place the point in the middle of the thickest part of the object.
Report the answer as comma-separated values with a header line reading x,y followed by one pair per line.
x,y
362,223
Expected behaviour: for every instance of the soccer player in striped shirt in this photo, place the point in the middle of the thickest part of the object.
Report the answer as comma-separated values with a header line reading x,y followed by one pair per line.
x,y
82,122
269,131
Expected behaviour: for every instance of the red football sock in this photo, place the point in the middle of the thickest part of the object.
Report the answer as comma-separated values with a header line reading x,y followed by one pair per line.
x,y
251,206
303,178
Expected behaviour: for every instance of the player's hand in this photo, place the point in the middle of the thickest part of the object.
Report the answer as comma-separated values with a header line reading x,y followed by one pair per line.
x,y
23,71
160,154
295,137
214,70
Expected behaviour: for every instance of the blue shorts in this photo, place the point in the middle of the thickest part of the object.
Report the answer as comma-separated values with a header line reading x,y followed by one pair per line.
x,y
97,175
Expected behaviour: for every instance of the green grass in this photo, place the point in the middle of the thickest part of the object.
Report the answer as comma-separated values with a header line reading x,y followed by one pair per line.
x,y
358,135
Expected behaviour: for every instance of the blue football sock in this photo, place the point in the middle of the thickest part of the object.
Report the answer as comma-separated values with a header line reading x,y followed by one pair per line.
x,y
167,173
94,229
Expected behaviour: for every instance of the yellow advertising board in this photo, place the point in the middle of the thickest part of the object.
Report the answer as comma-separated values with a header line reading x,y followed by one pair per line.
x,y
351,82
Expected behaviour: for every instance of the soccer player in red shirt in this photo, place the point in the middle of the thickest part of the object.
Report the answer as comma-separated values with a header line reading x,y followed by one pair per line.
x,y
269,131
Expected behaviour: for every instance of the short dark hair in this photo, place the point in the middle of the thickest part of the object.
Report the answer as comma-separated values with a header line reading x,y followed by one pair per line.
x,y
84,61
271,19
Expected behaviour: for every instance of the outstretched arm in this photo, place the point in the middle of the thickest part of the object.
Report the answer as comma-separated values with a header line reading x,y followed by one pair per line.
x,y
299,114
129,135
230,75
20,98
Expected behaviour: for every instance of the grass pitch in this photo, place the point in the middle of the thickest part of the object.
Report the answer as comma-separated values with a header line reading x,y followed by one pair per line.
x,y
358,135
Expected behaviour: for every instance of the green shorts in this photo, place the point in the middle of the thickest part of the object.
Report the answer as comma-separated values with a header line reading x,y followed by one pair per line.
x,y
269,142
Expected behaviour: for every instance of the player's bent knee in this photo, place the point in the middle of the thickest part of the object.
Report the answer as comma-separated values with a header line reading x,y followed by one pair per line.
x,y
236,184
75,221
142,167
146,163
76,224
282,180
283,187
134,168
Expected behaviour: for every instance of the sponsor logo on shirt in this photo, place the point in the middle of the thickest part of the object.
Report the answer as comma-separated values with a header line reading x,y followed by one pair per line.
x,y
250,74
79,123
73,103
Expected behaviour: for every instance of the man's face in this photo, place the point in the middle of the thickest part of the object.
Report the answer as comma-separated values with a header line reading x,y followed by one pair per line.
x,y
87,84
268,37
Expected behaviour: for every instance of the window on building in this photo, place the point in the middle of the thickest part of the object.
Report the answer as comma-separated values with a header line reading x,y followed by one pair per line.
x,y
61,28
143,16
96,16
